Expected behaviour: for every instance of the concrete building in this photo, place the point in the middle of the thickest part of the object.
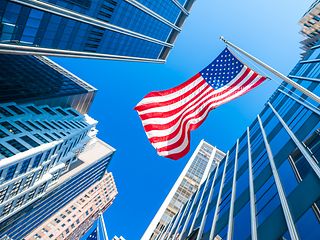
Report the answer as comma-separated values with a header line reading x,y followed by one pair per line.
x,y
134,30
75,218
202,162
267,186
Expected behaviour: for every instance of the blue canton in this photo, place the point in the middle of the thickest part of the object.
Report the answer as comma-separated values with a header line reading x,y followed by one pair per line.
x,y
222,70
93,235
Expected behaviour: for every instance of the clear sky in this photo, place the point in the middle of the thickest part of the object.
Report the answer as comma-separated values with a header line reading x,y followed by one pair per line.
x,y
266,29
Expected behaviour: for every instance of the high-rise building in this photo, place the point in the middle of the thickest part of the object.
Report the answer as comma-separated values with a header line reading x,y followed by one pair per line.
x,y
49,153
75,218
136,30
310,23
84,171
36,79
268,185
38,144
201,163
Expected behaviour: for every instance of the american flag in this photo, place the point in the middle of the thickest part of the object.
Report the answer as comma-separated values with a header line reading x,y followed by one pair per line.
x,y
168,116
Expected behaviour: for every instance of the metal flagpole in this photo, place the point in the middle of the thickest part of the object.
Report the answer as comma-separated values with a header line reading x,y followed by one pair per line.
x,y
104,229
275,72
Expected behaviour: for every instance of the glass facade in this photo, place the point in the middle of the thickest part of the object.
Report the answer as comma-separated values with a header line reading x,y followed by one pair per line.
x,y
140,30
25,79
19,225
202,162
267,186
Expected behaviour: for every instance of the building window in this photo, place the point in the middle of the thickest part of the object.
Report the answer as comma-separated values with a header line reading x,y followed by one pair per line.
x,y
48,110
16,109
10,127
28,181
30,141
41,125
50,125
42,139
62,112
23,126
19,201
33,125
15,188
3,192
49,136
14,143
3,134
34,110
6,209
31,194
5,151
5,113
72,112
36,161
24,166
10,172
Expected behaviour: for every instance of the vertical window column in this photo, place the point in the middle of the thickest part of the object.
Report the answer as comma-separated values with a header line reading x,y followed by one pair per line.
x,y
204,217
285,207
215,218
254,235
233,195
303,150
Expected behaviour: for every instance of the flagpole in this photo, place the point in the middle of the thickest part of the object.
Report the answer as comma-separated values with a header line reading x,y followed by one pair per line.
x,y
275,72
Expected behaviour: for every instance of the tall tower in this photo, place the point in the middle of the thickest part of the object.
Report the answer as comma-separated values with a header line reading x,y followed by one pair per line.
x,y
202,162
49,152
134,30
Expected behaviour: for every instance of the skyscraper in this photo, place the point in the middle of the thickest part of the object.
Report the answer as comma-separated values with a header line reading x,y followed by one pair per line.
x,y
203,161
136,30
267,186
37,79
48,150
75,218
310,23
84,171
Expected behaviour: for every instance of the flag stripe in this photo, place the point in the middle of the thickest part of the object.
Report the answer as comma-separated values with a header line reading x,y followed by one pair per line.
x,y
179,147
168,116
175,135
169,121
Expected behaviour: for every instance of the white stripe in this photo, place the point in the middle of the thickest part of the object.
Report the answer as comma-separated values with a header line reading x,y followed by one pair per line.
x,y
170,96
195,121
182,91
178,104
191,105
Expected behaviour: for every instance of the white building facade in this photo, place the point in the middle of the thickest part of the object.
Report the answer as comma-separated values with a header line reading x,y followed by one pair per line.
x,y
37,145
202,162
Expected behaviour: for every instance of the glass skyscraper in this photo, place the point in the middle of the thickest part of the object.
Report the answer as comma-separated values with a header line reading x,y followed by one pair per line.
x,y
204,159
136,30
268,185
37,79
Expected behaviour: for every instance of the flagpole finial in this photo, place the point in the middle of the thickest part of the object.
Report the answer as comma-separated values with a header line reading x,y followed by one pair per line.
x,y
222,39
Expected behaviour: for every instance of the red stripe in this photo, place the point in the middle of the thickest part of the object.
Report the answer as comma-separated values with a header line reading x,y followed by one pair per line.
x,y
174,111
172,90
199,103
196,125
171,101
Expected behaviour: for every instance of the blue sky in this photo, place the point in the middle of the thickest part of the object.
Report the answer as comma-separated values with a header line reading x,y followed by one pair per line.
x,y
266,29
